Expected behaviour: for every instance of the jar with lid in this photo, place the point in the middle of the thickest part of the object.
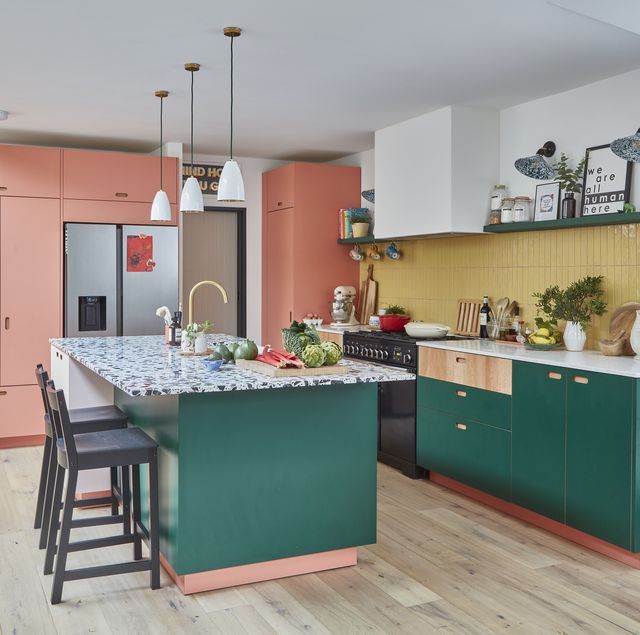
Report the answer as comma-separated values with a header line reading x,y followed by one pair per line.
x,y
498,194
506,211
522,209
494,217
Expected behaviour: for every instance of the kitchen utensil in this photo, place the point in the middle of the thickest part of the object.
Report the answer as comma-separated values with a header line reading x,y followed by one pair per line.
x,y
272,371
622,319
614,347
393,252
374,321
418,328
501,307
371,297
393,322
468,320
213,364
356,253
374,253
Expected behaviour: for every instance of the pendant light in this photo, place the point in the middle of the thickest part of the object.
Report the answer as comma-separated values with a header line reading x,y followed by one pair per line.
x,y
231,185
161,209
191,199
536,166
627,148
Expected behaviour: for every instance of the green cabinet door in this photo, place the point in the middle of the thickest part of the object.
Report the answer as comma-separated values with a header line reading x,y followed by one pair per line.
x,y
600,432
538,438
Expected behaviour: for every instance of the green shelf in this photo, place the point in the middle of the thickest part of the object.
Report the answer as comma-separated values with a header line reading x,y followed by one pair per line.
x,y
565,223
366,240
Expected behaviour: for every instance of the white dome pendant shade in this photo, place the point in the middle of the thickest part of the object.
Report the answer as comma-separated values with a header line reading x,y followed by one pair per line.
x,y
161,208
231,185
191,200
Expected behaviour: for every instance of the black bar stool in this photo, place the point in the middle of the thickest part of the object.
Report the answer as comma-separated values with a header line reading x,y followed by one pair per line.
x,y
108,448
82,420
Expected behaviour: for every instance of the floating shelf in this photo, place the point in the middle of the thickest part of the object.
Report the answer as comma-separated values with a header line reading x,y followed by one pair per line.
x,y
366,240
565,223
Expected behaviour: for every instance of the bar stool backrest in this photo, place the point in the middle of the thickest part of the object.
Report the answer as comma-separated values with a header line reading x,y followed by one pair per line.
x,y
62,423
42,377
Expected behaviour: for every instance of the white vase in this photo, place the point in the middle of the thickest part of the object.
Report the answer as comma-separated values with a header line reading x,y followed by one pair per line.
x,y
200,344
574,336
634,338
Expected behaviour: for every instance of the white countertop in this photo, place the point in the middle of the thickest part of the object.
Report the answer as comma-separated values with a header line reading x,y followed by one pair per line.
x,y
586,360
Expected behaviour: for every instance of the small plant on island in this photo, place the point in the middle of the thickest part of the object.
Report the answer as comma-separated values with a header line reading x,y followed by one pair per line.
x,y
570,180
194,329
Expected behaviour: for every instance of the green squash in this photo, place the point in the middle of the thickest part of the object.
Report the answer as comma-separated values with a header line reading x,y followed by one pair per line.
x,y
247,349
224,353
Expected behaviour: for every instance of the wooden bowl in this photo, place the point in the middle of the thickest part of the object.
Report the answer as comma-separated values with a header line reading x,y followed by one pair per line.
x,y
612,348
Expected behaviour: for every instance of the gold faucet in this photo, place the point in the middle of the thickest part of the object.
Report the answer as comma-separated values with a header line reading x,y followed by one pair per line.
x,y
200,284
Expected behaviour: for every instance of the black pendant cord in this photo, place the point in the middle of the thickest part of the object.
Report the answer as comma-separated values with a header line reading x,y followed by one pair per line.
x,y
161,106
191,123
231,102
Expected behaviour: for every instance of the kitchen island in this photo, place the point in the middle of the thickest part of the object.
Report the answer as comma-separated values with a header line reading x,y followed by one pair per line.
x,y
260,477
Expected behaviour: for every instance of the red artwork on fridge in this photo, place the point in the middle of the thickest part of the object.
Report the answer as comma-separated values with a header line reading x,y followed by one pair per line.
x,y
140,253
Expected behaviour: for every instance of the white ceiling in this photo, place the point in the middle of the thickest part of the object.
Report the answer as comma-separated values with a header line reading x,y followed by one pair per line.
x,y
314,78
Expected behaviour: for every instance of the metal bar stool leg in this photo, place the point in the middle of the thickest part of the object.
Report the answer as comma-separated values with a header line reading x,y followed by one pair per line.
x,y
44,472
48,496
137,514
54,521
65,530
114,483
154,518
126,500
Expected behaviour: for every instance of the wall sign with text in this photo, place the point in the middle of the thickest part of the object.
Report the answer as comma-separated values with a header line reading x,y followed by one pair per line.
x,y
207,175
607,182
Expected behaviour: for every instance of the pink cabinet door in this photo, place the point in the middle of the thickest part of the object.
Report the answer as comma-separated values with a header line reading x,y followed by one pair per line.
x,y
280,185
21,413
26,171
30,285
279,276
117,176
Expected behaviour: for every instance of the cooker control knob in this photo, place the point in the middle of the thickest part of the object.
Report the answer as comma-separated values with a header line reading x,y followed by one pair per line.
x,y
385,354
376,354
407,358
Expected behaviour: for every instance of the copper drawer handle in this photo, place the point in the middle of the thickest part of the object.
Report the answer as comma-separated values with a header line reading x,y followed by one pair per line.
x,y
581,380
3,392
6,324
461,360
279,203
461,426
122,194
552,375
3,188
461,393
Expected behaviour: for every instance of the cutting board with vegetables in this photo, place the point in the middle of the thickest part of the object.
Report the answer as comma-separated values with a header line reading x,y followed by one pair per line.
x,y
622,319
272,371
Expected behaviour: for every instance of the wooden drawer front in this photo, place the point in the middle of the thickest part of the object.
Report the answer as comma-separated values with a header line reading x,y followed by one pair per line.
x,y
484,406
280,188
75,211
21,411
478,371
26,171
467,451
330,337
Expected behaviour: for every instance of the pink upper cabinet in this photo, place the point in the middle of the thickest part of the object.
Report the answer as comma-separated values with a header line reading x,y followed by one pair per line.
x,y
27,171
117,176
280,186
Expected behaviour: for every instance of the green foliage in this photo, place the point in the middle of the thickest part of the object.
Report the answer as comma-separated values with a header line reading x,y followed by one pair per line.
x,y
577,303
195,328
570,180
395,309
628,208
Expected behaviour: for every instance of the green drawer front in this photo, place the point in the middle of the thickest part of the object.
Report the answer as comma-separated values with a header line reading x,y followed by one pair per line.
x,y
470,452
485,406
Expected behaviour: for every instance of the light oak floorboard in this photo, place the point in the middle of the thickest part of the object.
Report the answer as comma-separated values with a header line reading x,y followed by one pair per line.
x,y
442,563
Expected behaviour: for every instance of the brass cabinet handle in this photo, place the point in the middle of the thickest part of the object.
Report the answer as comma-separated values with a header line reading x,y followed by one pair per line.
x,y
461,393
553,375
461,426
3,392
3,188
6,324
461,360
579,379
279,203
122,194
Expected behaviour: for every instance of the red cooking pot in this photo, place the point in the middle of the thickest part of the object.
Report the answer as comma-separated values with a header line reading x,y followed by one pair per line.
x,y
393,322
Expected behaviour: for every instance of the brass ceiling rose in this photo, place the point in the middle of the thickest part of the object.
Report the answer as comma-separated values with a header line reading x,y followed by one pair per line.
x,y
232,31
192,67
162,93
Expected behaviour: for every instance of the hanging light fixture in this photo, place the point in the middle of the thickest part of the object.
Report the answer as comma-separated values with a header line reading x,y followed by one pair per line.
x,y
536,166
627,148
231,185
161,209
191,199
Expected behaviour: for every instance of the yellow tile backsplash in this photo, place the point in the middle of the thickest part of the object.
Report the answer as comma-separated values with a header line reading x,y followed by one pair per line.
x,y
433,274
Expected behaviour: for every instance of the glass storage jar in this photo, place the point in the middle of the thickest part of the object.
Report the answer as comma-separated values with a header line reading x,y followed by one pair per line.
x,y
506,211
522,209
494,217
498,194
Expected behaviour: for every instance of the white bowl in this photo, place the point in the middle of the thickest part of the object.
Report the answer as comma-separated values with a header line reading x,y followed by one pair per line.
x,y
313,321
425,329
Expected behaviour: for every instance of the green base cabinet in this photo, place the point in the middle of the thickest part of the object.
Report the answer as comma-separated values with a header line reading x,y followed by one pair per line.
x,y
538,438
600,455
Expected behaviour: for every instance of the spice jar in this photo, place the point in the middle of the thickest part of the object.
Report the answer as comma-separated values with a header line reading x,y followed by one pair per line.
x,y
506,211
522,209
498,194
494,217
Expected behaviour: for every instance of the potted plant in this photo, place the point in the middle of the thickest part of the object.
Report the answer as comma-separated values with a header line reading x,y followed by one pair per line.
x,y
394,318
575,304
194,337
571,183
360,227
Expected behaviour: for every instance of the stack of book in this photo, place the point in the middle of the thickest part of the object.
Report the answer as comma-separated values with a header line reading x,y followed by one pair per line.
x,y
346,218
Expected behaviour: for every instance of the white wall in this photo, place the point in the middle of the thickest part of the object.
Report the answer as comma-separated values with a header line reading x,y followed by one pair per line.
x,y
366,162
591,115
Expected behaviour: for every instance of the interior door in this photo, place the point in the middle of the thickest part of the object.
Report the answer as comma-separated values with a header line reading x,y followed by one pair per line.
x,y
30,285
278,311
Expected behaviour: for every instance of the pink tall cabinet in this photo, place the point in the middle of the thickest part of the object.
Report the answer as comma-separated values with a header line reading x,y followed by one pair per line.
x,y
40,189
302,262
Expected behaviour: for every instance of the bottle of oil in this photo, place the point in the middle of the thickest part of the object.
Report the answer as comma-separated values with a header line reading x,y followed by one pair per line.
x,y
485,312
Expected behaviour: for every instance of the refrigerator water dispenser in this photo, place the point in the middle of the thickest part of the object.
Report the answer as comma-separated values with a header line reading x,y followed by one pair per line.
x,y
92,313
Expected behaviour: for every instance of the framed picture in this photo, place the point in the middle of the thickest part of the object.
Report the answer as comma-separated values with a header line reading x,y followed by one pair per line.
x,y
547,202
606,182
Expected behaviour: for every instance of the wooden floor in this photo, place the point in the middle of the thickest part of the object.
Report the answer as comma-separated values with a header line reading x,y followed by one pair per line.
x,y
442,563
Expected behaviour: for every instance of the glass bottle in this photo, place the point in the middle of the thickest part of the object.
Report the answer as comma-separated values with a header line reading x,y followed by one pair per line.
x,y
485,311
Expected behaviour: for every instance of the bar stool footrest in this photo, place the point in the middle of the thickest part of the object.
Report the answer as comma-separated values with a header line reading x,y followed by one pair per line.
x,y
134,566
92,502
97,520
94,543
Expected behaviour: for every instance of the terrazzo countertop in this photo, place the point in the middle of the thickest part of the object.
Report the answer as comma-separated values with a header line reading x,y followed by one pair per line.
x,y
145,366
584,360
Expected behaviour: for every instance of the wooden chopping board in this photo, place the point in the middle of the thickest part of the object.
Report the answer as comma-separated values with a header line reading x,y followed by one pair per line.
x,y
370,297
272,371
622,319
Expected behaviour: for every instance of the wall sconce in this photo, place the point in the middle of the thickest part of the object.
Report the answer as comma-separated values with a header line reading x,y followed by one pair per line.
x,y
627,148
536,166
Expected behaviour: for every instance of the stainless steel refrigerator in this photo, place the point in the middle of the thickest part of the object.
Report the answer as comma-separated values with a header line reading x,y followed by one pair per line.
x,y
116,276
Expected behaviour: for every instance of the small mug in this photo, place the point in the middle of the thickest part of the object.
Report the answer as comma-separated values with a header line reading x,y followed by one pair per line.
x,y
374,254
393,252
356,253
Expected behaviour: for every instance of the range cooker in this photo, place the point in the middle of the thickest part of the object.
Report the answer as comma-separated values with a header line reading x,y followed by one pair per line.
x,y
396,400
